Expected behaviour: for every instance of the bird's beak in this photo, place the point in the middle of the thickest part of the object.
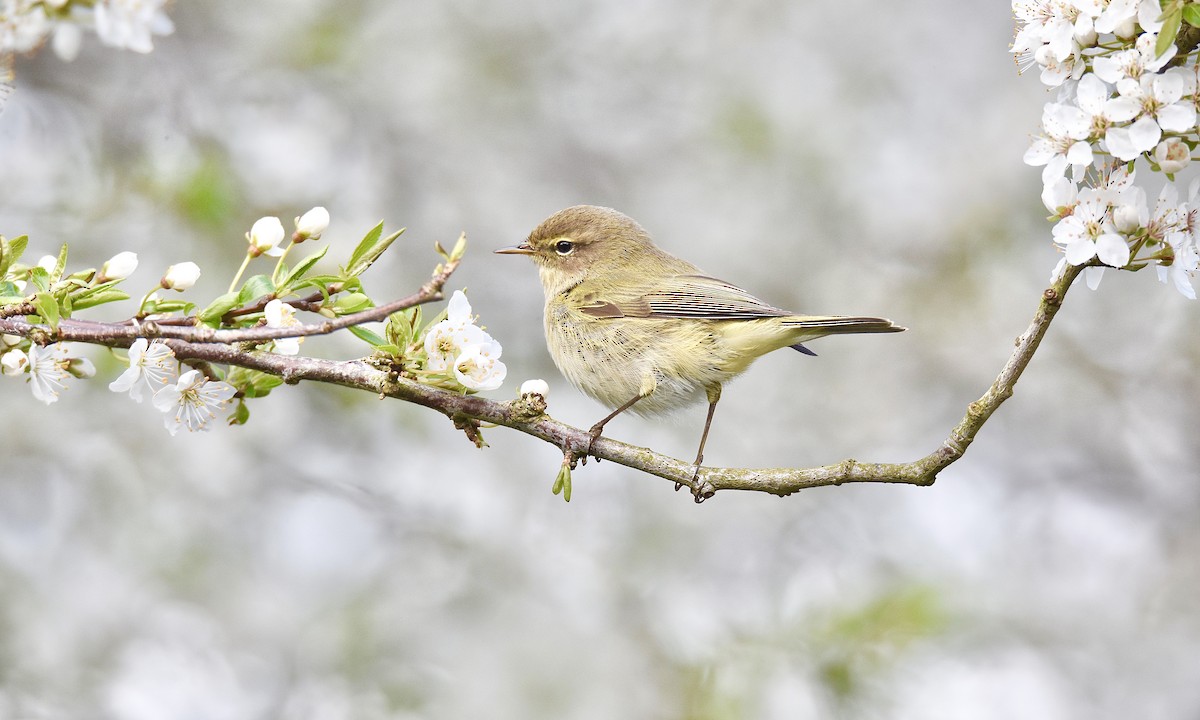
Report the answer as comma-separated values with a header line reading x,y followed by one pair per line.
x,y
522,249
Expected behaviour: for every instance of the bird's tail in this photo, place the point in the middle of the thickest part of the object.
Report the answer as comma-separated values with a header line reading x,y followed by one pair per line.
x,y
821,325
838,324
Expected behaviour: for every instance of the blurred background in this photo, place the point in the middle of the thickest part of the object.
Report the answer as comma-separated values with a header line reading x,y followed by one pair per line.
x,y
343,557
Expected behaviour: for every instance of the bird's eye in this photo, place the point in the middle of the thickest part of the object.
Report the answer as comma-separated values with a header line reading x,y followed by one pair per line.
x,y
564,247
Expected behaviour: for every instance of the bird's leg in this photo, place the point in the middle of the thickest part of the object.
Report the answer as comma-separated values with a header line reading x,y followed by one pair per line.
x,y
598,428
714,394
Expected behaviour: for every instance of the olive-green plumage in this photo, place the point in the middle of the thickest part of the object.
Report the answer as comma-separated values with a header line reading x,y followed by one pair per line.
x,y
637,328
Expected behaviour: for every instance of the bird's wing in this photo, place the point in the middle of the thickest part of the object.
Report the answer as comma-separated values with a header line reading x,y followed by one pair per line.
x,y
683,296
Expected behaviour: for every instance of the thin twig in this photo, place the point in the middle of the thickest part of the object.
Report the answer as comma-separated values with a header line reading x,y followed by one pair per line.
x,y
122,334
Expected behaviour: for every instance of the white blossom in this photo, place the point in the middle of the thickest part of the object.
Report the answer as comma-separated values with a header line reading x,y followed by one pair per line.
x,y
1127,143
1090,233
14,362
1160,96
1183,267
476,369
119,266
281,315
81,368
152,366
193,401
1172,155
537,386
181,276
1132,63
47,371
264,237
131,23
1063,142
312,224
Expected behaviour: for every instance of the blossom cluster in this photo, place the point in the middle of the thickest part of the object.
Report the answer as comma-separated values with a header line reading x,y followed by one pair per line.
x,y
189,399
460,351
131,24
1125,100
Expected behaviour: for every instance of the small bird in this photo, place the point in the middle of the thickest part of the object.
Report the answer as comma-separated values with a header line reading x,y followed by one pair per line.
x,y
641,330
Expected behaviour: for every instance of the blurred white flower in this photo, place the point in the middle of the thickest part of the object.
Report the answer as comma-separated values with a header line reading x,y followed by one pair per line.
x,y
181,276
264,237
130,23
281,315
47,371
14,362
23,26
312,224
118,267
68,38
537,386
47,263
7,340
152,366
193,401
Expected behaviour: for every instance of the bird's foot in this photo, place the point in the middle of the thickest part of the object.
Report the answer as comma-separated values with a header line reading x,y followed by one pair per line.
x,y
593,436
701,489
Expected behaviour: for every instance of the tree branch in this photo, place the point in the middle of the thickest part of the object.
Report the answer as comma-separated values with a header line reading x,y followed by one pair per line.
x,y
527,414
124,333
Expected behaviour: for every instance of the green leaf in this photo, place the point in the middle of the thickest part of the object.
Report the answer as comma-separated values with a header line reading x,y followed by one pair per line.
x,y
1191,14
369,250
562,483
365,245
10,251
40,278
98,297
304,266
399,328
47,308
252,383
369,337
59,266
170,306
212,314
352,303
7,299
240,414
1166,36
256,287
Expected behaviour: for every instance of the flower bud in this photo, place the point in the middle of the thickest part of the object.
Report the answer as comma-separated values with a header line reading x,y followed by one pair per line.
x,y
10,340
264,237
14,362
118,267
47,263
181,277
81,368
311,224
1172,155
535,387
